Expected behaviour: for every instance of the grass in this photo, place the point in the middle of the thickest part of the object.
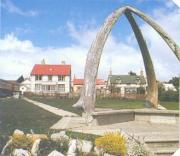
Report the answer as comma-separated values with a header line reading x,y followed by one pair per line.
x,y
170,105
19,114
62,103
114,103
117,103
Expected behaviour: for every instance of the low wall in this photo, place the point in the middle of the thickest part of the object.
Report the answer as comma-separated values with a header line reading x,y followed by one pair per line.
x,y
157,116
145,115
113,116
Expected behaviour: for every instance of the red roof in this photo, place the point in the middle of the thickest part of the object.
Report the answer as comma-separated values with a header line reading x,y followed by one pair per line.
x,y
81,81
47,69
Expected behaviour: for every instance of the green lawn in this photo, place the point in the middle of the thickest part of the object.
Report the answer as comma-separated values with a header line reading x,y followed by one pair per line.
x,y
19,114
62,103
114,103
170,105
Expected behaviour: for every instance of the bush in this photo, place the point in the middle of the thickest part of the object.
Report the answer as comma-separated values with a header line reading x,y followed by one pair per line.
x,y
21,141
136,149
113,143
18,141
47,146
169,96
82,136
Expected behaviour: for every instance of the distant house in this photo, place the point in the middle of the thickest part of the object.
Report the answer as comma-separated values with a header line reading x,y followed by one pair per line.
x,y
126,84
78,84
169,86
25,86
48,79
51,79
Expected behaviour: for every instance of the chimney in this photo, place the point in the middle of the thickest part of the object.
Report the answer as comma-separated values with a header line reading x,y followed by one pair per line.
x,y
43,61
63,62
141,73
110,72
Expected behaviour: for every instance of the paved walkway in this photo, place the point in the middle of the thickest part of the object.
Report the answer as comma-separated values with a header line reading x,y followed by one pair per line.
x,y
54,110
144,130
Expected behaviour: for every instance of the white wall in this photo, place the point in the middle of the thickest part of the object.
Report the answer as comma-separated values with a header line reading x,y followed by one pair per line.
x,y
54,81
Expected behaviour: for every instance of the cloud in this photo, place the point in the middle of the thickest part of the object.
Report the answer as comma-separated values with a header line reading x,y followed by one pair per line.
x,y
12,8
17,56
177,2
165,62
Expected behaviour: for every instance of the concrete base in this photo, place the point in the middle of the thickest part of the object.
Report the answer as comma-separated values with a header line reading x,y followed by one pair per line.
x,y
145,115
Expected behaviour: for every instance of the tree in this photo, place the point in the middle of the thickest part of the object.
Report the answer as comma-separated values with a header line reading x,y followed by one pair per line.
x,y
175,82
132,73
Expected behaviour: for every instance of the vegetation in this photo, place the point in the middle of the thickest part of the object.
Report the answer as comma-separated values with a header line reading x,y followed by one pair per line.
x,y
170,105
113,103
82,136
113,143
168,95
175,82
21,141
19,114
59,102
46,146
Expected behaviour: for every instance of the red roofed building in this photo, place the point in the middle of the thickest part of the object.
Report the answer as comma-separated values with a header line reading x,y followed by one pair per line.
x,y
51,79
78,84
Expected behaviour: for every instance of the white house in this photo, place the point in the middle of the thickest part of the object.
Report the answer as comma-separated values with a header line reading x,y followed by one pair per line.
x,y
25,86
48,79
169,86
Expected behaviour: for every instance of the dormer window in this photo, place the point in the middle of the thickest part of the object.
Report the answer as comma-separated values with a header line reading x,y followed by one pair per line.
x,y
138,80
118,80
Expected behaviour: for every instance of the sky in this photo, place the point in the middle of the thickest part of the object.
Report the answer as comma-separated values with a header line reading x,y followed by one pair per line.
x,y
63,30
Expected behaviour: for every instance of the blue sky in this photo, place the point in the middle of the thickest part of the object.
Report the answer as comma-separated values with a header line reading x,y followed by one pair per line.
x,y
65,29
53,15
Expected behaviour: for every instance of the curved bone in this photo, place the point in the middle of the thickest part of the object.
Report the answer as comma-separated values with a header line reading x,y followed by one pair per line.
x,y
170,42
87,99
152,95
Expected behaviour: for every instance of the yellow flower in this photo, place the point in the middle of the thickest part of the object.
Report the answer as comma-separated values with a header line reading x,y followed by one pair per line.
x,y
113,143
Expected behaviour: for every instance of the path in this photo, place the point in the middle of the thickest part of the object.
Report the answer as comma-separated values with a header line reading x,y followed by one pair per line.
x,y
54,110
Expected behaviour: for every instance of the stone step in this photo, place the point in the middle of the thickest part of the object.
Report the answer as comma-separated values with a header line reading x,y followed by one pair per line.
x,y
162,144
165,152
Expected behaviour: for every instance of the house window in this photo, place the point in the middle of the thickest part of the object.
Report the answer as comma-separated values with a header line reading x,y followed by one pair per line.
x,y
53,87
138,80
131,90
49,78
118,80
38,77
61,78
61,88
38,87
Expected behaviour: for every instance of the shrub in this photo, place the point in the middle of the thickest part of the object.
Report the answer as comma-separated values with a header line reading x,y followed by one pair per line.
x,y
113,143
82,136
18,141
21,141
136,149
46,146
169,96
